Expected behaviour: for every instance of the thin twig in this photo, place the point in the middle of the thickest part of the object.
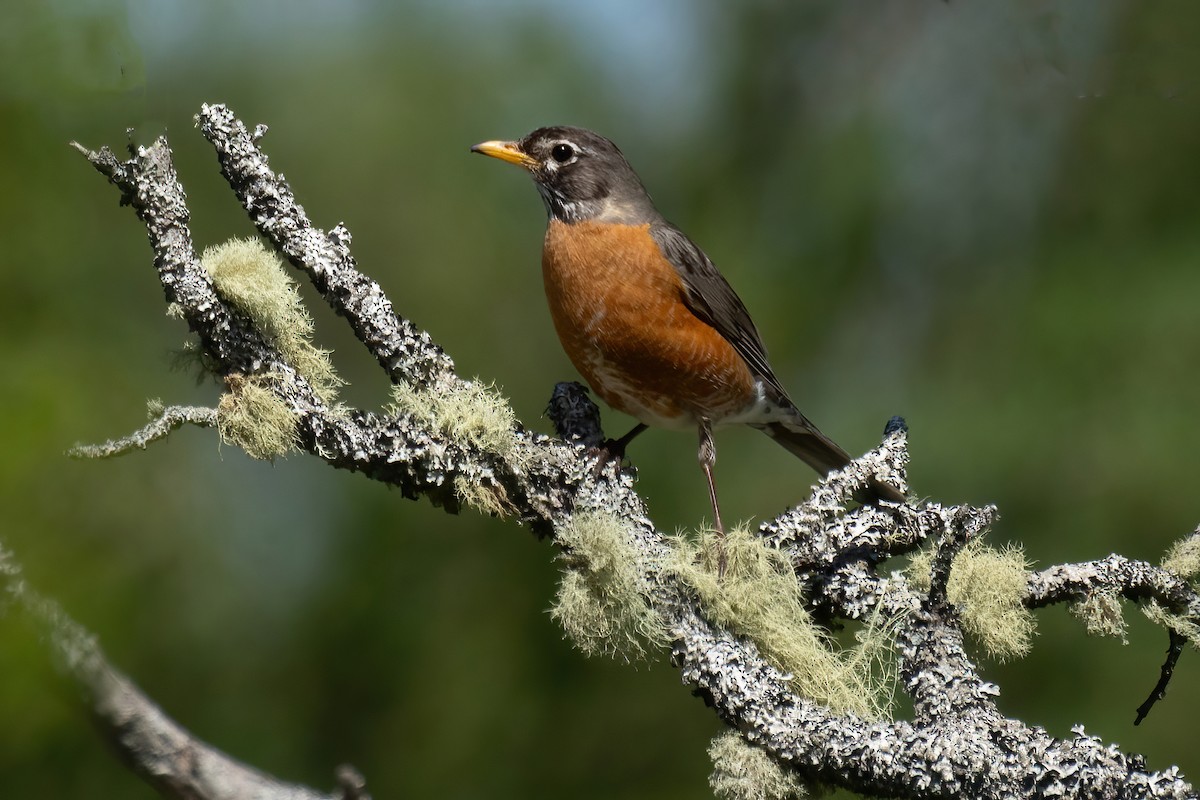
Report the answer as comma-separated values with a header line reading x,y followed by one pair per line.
x,y
171,419
1174,650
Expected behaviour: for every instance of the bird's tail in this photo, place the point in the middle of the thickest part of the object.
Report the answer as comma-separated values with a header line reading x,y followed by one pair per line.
x,y
801,438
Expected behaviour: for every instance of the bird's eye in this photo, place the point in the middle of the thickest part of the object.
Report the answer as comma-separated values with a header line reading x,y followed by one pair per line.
x,y
562,152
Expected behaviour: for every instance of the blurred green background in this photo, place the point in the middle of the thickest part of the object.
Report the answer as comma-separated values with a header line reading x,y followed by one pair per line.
x,y
980,216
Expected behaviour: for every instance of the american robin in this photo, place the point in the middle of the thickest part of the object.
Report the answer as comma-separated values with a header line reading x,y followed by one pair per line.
x,y
643,313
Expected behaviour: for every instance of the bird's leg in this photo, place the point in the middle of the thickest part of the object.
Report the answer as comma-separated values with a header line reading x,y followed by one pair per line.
x,y
612,451
617,446
708,457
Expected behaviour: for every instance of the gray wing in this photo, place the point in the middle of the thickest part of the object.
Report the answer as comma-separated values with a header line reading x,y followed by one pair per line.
x,y
710,297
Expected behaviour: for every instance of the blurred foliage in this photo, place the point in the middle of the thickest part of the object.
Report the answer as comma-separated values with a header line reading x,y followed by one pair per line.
x,y
980,216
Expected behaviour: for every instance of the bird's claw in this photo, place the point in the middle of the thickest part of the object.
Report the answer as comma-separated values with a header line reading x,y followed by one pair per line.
x,y
609,455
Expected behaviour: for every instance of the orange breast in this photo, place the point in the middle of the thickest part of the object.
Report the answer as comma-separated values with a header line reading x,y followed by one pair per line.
x,y
618,307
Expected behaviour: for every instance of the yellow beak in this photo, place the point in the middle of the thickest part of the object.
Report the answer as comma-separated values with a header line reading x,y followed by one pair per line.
x,y
505,151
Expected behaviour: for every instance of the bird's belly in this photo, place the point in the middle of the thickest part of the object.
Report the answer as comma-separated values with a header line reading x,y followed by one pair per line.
x,y
618,308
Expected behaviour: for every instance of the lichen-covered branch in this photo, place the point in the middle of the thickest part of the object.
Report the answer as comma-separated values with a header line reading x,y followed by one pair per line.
x,y
405,352
166,421
753,642
1134,580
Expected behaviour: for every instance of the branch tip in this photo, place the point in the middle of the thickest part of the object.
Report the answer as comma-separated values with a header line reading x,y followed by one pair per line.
x,y
1174,650
351,783
165,422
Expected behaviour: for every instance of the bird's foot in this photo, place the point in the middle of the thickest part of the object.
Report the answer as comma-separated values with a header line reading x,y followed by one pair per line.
x,y
609,455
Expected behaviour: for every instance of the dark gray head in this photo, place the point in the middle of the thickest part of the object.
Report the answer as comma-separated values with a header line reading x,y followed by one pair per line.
x,y
580,175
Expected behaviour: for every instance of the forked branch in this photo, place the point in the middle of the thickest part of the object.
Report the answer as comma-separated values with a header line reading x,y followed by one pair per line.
x,y
753,643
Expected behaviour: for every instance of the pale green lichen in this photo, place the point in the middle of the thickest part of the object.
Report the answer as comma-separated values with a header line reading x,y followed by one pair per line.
x,y
469,411
1184,557
759,597
252,416
987,585
742,771
1185,627
253,280
1101,615
487,497
474,415
601,601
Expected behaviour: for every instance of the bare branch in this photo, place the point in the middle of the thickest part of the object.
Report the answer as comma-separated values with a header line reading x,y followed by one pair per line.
x,y
160,750
1174,650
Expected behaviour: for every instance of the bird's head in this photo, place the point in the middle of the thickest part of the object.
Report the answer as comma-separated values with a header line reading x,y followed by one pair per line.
x,y
580,175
